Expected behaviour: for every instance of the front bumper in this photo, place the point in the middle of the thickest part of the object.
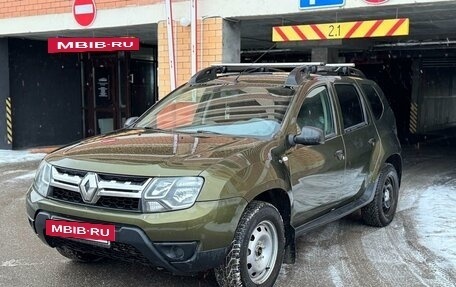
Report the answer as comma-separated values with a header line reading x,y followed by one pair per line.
x,y
199,235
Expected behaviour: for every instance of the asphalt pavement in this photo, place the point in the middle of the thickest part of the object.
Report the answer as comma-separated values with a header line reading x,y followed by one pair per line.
x,y
417,249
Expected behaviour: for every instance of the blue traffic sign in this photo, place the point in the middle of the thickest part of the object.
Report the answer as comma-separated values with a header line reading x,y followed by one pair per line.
x,y
314,4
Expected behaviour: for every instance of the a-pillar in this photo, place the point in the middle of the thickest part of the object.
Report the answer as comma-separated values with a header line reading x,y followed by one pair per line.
x,y
6,125
323,54
218,41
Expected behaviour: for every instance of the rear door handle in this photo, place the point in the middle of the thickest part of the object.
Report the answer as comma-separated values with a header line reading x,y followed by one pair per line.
x,y
372,141
340,155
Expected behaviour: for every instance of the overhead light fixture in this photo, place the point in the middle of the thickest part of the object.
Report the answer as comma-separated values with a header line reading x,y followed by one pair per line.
x,y
184,22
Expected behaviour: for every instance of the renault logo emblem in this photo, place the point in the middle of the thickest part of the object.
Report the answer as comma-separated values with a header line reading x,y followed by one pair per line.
x,y
88,187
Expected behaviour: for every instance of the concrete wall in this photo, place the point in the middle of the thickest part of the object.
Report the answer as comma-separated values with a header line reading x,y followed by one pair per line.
x,y
14,8
218,40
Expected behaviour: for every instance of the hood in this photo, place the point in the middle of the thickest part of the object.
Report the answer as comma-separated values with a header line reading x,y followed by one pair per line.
x,y
150,153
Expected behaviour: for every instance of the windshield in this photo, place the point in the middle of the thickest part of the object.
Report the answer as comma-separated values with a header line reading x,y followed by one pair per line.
x,y
228,109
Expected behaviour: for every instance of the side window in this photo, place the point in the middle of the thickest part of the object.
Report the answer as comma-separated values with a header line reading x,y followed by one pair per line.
x,y
316,111
374,100
350,104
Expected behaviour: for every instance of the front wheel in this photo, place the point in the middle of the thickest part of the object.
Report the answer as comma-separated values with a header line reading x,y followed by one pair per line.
x,y
256,253
380,212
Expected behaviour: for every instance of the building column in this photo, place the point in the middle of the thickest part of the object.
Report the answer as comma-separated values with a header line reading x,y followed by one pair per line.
x,y
218,40
6,125
327,55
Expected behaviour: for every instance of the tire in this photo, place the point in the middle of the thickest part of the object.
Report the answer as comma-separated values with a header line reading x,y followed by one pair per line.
x,y
380,212
78,256
259,241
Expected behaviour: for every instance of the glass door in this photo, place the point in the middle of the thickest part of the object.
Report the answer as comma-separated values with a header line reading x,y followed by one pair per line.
x,y
105,107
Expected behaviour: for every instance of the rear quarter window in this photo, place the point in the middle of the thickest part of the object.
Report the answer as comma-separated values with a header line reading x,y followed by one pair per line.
x,y
374,100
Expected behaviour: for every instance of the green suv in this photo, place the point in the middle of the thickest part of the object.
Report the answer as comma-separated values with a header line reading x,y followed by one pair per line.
x,y
225,172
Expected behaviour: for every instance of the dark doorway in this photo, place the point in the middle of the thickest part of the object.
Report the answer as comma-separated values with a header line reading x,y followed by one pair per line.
x,y
45,94
394,76
143,90
116,86
106,102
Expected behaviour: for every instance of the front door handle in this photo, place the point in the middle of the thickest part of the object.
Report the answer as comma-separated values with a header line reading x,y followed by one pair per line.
x,y
372,141
340,155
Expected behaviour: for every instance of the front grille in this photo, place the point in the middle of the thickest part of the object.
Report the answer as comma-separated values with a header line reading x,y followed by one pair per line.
x,y
130,204
66,195
117,250
112,191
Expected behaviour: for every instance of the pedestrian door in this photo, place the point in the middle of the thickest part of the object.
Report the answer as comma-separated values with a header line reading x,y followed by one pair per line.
x,y
106,102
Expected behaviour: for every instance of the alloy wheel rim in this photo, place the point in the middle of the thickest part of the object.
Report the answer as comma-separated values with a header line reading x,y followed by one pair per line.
x,y
262,252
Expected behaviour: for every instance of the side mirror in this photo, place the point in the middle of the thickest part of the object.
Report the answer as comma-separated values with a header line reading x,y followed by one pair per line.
x,y
308,136
130,121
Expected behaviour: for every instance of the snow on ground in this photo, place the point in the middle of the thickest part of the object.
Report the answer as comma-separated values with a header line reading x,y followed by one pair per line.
x,y
26,176
14,156
436,221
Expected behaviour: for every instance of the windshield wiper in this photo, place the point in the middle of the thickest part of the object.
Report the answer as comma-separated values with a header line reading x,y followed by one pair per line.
x,y
207,132
156,129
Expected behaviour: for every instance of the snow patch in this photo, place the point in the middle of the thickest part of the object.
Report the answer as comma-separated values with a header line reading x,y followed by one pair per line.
x,y
335,276
14,156
14,263
27,176
436,225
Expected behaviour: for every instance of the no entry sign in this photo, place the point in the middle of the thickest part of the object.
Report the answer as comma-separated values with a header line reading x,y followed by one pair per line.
x,y
84,12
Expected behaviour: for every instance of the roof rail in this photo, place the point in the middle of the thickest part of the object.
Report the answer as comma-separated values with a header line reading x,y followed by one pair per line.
x,y
298,74
349,71
340,65
300,70
210,73
340,70
273,65
206,75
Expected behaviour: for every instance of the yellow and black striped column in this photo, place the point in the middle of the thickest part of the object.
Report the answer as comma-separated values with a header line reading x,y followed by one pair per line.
x,y
413,125
9,121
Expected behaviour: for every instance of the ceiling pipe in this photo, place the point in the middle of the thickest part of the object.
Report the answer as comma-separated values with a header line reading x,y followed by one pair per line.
x,y
416,44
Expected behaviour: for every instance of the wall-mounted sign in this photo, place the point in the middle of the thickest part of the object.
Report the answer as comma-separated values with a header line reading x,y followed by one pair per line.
x,y
78,45
375,2
314,4
84,12
342,30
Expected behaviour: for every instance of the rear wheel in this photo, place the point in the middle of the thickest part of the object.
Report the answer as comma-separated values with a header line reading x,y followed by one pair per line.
x,y
77,255
256,253
380,212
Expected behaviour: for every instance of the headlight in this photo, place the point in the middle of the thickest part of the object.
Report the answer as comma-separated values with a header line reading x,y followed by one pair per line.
x,y
42,178
171,193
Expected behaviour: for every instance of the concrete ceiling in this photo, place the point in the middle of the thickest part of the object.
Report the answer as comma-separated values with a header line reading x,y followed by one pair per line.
x,y
428,22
